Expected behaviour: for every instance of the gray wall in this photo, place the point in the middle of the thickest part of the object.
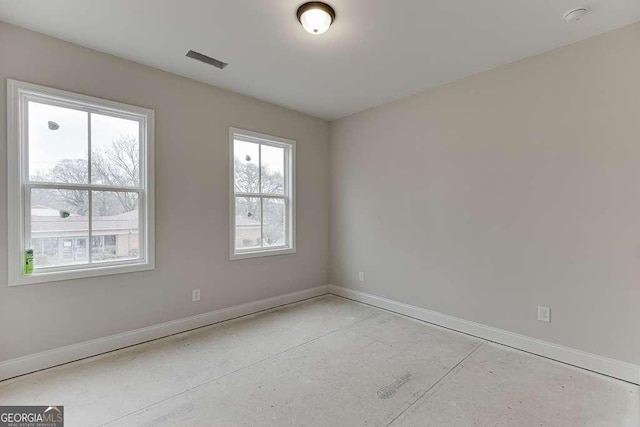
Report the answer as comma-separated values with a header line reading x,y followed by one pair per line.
x,y
510,189
192,125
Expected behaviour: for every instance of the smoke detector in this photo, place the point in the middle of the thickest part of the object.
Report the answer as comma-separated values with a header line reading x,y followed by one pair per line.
x,y
575,14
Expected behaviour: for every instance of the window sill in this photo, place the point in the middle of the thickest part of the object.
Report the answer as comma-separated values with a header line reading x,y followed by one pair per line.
x,y
104,270
261,253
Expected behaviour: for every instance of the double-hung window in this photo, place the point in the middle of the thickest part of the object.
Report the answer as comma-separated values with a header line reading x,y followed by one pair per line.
x,y
262,205
80,176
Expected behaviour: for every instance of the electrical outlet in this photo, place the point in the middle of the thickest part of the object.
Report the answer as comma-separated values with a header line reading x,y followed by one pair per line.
x,y
544,314
361,276
195,295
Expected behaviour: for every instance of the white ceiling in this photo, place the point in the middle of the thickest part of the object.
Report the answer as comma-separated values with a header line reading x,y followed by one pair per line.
x,y
376,51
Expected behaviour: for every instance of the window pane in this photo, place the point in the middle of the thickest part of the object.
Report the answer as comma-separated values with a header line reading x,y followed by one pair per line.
x,y
245,167
58,144
272,169
59,227
248,214
115,230
115,151
274,222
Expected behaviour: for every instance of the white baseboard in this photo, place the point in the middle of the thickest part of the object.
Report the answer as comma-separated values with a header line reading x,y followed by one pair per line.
x,y
46,359
582,359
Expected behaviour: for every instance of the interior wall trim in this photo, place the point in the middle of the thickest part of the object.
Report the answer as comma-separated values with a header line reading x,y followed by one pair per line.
x,y
50,358
582,359
58,356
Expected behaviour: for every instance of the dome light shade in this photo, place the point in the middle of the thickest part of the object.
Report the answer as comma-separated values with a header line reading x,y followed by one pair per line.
x,y
316,17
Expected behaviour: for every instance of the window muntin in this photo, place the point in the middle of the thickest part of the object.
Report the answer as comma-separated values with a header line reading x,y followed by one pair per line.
x,y
262,192
83,170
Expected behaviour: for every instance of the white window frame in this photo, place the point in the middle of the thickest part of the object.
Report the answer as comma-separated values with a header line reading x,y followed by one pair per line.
x,y
19,184
289,195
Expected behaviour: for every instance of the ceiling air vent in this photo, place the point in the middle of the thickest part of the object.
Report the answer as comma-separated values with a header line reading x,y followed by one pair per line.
x,y
206,59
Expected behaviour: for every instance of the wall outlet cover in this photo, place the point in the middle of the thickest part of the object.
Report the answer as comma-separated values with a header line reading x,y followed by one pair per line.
x,y
544,314
195,295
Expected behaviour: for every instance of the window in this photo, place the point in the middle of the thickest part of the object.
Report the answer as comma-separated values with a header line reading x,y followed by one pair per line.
x,y
80,185
262,208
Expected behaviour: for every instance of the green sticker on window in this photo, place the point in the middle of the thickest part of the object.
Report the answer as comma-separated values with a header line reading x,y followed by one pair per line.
x,y
28,261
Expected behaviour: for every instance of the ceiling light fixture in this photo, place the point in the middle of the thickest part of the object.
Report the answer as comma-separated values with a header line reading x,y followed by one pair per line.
x,y
575,14
316,17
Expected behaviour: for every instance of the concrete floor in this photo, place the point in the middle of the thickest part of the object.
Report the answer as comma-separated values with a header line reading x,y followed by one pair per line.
x,y
327,362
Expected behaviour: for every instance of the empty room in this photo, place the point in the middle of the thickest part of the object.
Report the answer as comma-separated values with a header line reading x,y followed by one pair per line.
x,y
338,213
